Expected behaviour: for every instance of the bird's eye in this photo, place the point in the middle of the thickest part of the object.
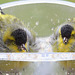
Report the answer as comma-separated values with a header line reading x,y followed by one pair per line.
x,y
8,42
73,35
12,42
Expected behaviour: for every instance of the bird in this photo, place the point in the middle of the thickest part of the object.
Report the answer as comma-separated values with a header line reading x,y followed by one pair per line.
x,y
14,37
63,40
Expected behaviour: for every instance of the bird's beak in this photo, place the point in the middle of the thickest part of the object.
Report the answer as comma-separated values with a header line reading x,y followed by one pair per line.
x,y
65,40
23,48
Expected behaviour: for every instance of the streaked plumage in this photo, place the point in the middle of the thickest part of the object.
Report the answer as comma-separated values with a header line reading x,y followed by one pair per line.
x,y
63,40
14,37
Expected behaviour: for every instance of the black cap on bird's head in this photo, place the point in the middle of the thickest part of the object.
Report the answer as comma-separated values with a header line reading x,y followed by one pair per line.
x,y
66,31
20,38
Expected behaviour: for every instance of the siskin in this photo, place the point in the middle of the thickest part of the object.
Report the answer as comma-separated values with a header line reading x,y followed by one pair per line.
x,y
14,37
64,41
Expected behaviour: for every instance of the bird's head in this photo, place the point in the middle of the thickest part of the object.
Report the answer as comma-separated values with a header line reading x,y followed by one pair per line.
x,y
67,32
16,40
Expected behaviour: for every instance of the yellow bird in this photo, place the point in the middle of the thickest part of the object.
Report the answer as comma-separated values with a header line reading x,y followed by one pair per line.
x,y
64,41
14,37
